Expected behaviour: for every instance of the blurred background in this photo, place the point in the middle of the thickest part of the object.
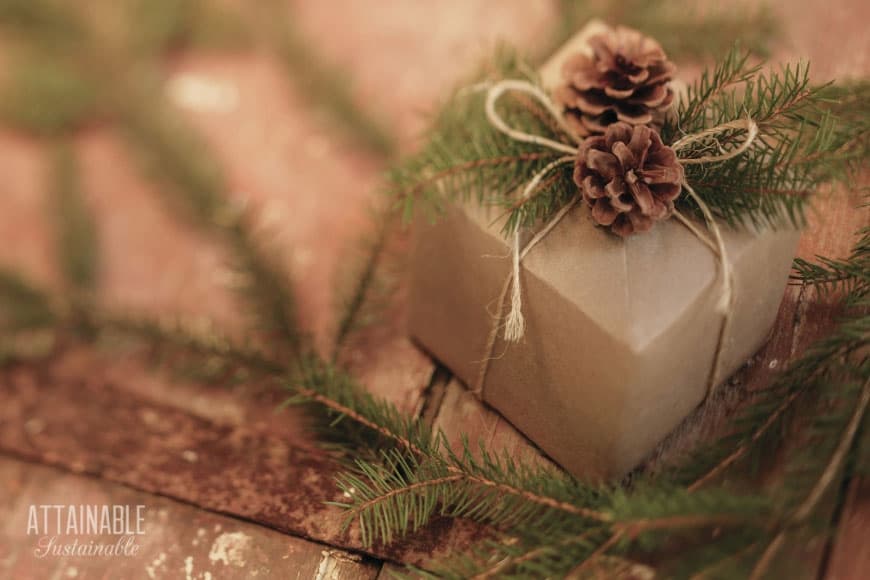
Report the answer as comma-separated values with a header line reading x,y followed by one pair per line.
x,y
290,109
176,138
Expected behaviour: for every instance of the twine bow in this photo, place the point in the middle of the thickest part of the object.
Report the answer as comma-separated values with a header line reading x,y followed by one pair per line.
x,y
514,328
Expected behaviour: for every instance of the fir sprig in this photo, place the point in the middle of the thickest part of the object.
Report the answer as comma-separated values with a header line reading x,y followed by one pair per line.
x,y
467,158
23,306
684,30
801,144
370,288
75,232
175,155
850,276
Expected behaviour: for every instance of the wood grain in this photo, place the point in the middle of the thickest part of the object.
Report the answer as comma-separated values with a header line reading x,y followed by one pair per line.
x,y
97,429
178,540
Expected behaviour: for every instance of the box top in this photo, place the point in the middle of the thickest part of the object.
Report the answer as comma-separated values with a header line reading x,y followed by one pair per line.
x,y
636,287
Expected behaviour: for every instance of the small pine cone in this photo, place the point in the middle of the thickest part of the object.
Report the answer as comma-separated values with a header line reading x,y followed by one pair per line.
x,y
629,178
626,79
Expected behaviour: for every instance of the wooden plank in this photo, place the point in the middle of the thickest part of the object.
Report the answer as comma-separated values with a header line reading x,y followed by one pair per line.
x,y
178,540
279,482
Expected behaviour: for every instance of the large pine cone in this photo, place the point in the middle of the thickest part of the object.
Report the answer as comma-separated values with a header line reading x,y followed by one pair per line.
x,y
629,178
625,79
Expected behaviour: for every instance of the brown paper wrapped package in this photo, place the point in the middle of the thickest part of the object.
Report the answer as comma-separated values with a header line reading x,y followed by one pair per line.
x,y
620,333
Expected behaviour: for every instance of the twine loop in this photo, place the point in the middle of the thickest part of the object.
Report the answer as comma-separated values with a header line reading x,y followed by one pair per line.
x,y
514,327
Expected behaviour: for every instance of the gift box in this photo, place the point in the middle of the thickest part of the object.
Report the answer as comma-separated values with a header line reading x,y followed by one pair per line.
x,y
621,334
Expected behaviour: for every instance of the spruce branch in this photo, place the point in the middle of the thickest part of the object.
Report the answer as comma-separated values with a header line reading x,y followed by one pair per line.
x,y
325,85
196,336
368,293
177,157
804,139
744,448
683,29
23,306
517,559
850,275
825,479
75,231
575,572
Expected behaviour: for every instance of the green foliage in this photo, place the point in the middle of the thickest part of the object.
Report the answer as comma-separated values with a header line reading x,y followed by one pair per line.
x,y
326,86
402,491
798,148
198,337
850,276
350,418
49,24
158,26
175,156
45,95
466,158
685,30
801,144
367,280
76,237
23,306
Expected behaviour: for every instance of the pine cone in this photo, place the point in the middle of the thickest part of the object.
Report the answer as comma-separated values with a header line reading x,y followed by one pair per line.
x,y
629,178
625,79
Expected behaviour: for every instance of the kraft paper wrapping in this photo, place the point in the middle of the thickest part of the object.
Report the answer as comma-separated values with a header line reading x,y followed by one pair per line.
x,y
620,333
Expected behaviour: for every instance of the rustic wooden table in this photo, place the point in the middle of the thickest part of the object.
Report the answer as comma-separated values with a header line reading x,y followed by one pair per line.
x,y
234,490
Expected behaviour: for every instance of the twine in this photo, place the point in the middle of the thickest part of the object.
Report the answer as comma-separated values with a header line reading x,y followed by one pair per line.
x,y
515,321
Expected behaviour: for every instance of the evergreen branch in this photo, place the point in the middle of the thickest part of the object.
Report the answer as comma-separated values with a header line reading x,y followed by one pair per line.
x,y
199,337
798,147
75,230
22,305
682,29
179,159
772,407
361,297
352,417
407,489
157,27
324,85
692,111
44,23
347,411
473,164
46,95
740,451
850,275
600,551
834,465
514,561
534,498
719,564
400,493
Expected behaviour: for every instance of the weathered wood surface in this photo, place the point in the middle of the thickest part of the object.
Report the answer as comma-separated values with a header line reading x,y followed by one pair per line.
x,y
178,540
313,190
94,428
